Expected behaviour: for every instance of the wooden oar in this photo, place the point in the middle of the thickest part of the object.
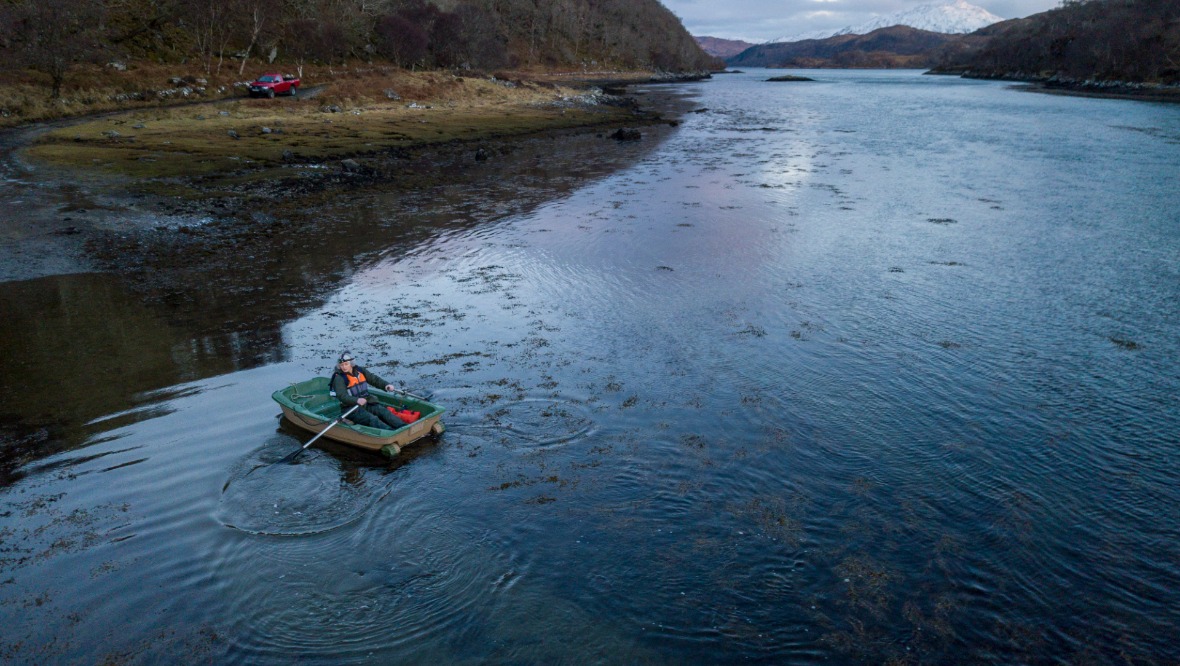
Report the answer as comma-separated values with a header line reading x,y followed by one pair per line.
x,y
296,453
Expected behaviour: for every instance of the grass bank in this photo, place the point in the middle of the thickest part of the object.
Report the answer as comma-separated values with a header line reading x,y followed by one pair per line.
x,y
350,113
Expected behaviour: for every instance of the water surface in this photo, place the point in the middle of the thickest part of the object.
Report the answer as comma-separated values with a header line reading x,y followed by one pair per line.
x,y
877,367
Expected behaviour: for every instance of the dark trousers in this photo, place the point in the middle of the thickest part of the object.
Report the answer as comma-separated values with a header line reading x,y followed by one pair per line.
x,y
375,416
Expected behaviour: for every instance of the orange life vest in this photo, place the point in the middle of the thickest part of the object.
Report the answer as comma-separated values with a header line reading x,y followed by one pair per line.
x,y
357,386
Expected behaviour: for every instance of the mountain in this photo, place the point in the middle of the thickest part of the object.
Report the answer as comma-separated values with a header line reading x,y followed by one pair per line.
x,y
1083,44
893,47
959,17
722,48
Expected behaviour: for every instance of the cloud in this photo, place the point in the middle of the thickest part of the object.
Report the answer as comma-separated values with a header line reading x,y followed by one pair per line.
x,y
762,20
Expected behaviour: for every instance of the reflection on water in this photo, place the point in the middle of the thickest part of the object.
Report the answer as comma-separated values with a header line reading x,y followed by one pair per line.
x,y
80,347
116,344
869,370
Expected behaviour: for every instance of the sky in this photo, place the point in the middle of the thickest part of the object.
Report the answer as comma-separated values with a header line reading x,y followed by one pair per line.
x,y
761,20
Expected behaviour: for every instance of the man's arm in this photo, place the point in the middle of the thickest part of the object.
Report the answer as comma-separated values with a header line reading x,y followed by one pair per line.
x,y
376,381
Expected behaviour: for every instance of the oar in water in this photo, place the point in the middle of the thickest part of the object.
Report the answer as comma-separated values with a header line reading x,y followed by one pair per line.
x,y
338,419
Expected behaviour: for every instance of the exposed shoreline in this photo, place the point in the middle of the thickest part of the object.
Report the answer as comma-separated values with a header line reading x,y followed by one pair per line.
x,y
74,219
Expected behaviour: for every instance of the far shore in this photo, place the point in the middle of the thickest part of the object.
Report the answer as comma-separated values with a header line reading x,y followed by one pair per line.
x,y
1144,92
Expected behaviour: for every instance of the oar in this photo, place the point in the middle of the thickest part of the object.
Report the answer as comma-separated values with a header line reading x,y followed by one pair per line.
x,y
427,395
296,453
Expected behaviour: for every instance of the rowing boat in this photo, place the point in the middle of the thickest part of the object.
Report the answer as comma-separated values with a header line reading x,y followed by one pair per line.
x,y
310,406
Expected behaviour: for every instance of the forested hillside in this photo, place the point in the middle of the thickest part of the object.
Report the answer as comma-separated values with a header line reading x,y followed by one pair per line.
x,y
51,35
895,46
1135,41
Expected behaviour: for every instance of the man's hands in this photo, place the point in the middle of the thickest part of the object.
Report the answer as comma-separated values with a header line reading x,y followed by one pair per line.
x,y
363,401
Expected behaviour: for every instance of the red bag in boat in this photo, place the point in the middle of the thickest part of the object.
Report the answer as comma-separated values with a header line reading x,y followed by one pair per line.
x,y
405,415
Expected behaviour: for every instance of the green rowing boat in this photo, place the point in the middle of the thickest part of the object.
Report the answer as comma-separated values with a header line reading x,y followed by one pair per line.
x,y
309,405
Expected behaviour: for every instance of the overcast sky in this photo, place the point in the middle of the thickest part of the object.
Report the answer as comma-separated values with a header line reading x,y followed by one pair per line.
x,y
761,20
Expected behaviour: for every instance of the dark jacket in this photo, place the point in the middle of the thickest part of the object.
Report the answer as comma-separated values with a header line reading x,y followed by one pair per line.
x,y
340,384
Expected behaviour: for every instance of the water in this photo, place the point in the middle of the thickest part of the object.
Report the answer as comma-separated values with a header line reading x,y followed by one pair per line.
x,y
877,367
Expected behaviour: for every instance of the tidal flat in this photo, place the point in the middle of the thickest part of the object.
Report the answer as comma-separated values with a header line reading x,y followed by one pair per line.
x,y
84,183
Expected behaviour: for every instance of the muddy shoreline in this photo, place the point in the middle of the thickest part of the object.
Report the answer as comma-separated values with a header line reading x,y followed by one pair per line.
x,y
65,221
184,288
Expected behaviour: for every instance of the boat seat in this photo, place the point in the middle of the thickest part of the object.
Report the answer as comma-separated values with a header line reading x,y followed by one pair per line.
x,y
322,404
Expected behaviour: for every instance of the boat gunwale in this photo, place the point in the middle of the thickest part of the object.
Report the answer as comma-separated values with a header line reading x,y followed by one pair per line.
x,y
357,435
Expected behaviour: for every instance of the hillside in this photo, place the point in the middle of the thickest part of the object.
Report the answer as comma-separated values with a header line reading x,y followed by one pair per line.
x,y
722,48
1132,41
895,46
50,36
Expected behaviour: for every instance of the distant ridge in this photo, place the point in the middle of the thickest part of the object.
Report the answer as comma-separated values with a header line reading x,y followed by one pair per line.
x,y
722,48
959,17
897,46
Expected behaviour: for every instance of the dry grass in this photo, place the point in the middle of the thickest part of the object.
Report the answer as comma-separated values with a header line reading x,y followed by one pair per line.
x,y
229,136
24,95
91,89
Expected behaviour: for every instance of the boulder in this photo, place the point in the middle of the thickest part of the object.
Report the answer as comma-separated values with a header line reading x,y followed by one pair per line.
x,y
350,166
626,134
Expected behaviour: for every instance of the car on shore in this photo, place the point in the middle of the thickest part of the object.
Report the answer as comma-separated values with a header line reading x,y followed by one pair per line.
x,y
271,84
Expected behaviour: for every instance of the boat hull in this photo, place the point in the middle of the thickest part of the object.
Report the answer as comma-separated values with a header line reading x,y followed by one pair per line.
x,y
309,406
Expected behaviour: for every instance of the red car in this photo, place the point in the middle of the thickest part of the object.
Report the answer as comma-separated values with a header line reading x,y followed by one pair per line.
x,y
269,85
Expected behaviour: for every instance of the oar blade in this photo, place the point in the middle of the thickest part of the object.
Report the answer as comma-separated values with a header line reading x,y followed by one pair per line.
x,y
290,457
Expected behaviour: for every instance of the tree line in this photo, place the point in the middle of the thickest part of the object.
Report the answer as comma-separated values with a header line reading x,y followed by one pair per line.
x,y
1108,40
51,35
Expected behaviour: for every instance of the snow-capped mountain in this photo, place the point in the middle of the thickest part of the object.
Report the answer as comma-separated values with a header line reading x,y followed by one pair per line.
x,y
953,18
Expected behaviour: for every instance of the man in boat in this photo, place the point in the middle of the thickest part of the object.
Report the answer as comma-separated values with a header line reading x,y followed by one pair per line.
x,y
350,385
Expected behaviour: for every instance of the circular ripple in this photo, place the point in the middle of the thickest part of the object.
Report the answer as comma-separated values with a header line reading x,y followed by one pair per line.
x,y
539,423
315,493
330,599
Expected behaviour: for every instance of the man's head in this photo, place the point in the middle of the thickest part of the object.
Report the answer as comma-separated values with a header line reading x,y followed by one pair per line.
x,y
346,361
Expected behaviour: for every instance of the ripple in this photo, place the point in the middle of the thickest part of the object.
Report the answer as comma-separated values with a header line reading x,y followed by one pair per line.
x,y
314,494
337,602
539,422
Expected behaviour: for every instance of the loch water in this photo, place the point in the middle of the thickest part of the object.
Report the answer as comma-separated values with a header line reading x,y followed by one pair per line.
x,y
882,366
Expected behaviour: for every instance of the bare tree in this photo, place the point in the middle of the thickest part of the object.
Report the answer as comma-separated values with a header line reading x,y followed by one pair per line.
x,y
401,40
259,15
209,23
299,37
50,36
